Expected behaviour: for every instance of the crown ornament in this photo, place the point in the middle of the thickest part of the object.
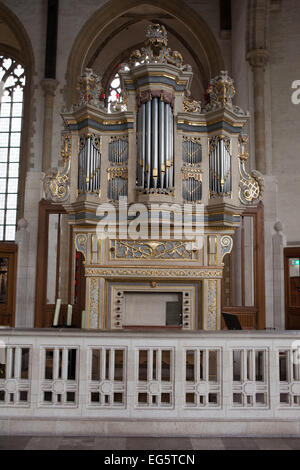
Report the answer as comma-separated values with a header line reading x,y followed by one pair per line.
x,y
156,50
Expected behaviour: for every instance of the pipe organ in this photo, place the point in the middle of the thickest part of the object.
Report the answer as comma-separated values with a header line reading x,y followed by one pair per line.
x,y
166,178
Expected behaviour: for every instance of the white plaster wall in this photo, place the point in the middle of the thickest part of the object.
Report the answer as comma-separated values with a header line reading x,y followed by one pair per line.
x,y
284,69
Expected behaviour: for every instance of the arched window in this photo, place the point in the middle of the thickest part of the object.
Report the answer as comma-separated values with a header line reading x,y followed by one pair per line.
x,y
114,90
12,82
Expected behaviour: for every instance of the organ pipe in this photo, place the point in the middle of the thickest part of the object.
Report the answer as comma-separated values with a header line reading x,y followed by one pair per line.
x,y
161,155
89,167
148,144
155,144
220,166
154,141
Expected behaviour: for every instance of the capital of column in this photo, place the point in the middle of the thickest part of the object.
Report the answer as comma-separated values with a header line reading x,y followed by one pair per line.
x,y
258,58
49,86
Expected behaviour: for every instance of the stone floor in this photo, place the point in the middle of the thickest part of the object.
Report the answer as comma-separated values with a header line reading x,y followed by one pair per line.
x,y
146,443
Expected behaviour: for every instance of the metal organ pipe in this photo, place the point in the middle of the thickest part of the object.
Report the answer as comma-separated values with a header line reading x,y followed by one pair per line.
x,y
220,168
139,148
143,143
148,144
167,142
171,146
161,154
155,136
89,167
154,141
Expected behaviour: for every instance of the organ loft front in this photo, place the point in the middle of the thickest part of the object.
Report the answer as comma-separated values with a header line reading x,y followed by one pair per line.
x,y
152,191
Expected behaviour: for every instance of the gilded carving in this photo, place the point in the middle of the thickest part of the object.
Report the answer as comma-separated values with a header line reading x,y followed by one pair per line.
x,y
93,306
156,50
137,272
251,186
226,245
190,105
150,249
212,304
221,92
90,88
57,183
81,243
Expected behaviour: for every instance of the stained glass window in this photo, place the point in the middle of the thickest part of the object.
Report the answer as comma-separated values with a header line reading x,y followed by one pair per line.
x,y
12,82
114,93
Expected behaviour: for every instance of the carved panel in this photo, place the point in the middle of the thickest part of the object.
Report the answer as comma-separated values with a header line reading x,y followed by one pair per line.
x,y
212,304
136,272
152,250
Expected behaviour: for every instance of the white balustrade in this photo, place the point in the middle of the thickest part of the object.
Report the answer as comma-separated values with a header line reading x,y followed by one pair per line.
x,y
150,376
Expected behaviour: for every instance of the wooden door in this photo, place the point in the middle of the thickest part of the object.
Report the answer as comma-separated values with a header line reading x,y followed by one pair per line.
x,y
55,268
243,286
8,270
292,288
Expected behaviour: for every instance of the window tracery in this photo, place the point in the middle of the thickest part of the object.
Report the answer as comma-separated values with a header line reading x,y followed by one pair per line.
x,y
12,83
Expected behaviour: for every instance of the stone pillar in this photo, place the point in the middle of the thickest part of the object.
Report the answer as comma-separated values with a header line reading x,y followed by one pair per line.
x,y
49,86
22,319
278,242
258,59
270,218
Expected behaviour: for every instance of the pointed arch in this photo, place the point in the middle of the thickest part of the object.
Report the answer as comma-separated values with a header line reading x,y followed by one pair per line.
x,y
85,45
21,50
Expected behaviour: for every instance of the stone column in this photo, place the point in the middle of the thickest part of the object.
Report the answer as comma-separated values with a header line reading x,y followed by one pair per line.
x,y
258,59
278,242
49,86
23,318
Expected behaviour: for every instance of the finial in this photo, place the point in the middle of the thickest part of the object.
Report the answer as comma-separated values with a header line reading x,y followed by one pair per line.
x,y
90,88
221,92
157,33
156,50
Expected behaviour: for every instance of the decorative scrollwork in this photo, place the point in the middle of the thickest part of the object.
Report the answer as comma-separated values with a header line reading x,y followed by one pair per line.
x,y
159,273
212,305
189,172
190,105
56,182
81,243
167,191
156,50
251,186
226,245
169,250
113,172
